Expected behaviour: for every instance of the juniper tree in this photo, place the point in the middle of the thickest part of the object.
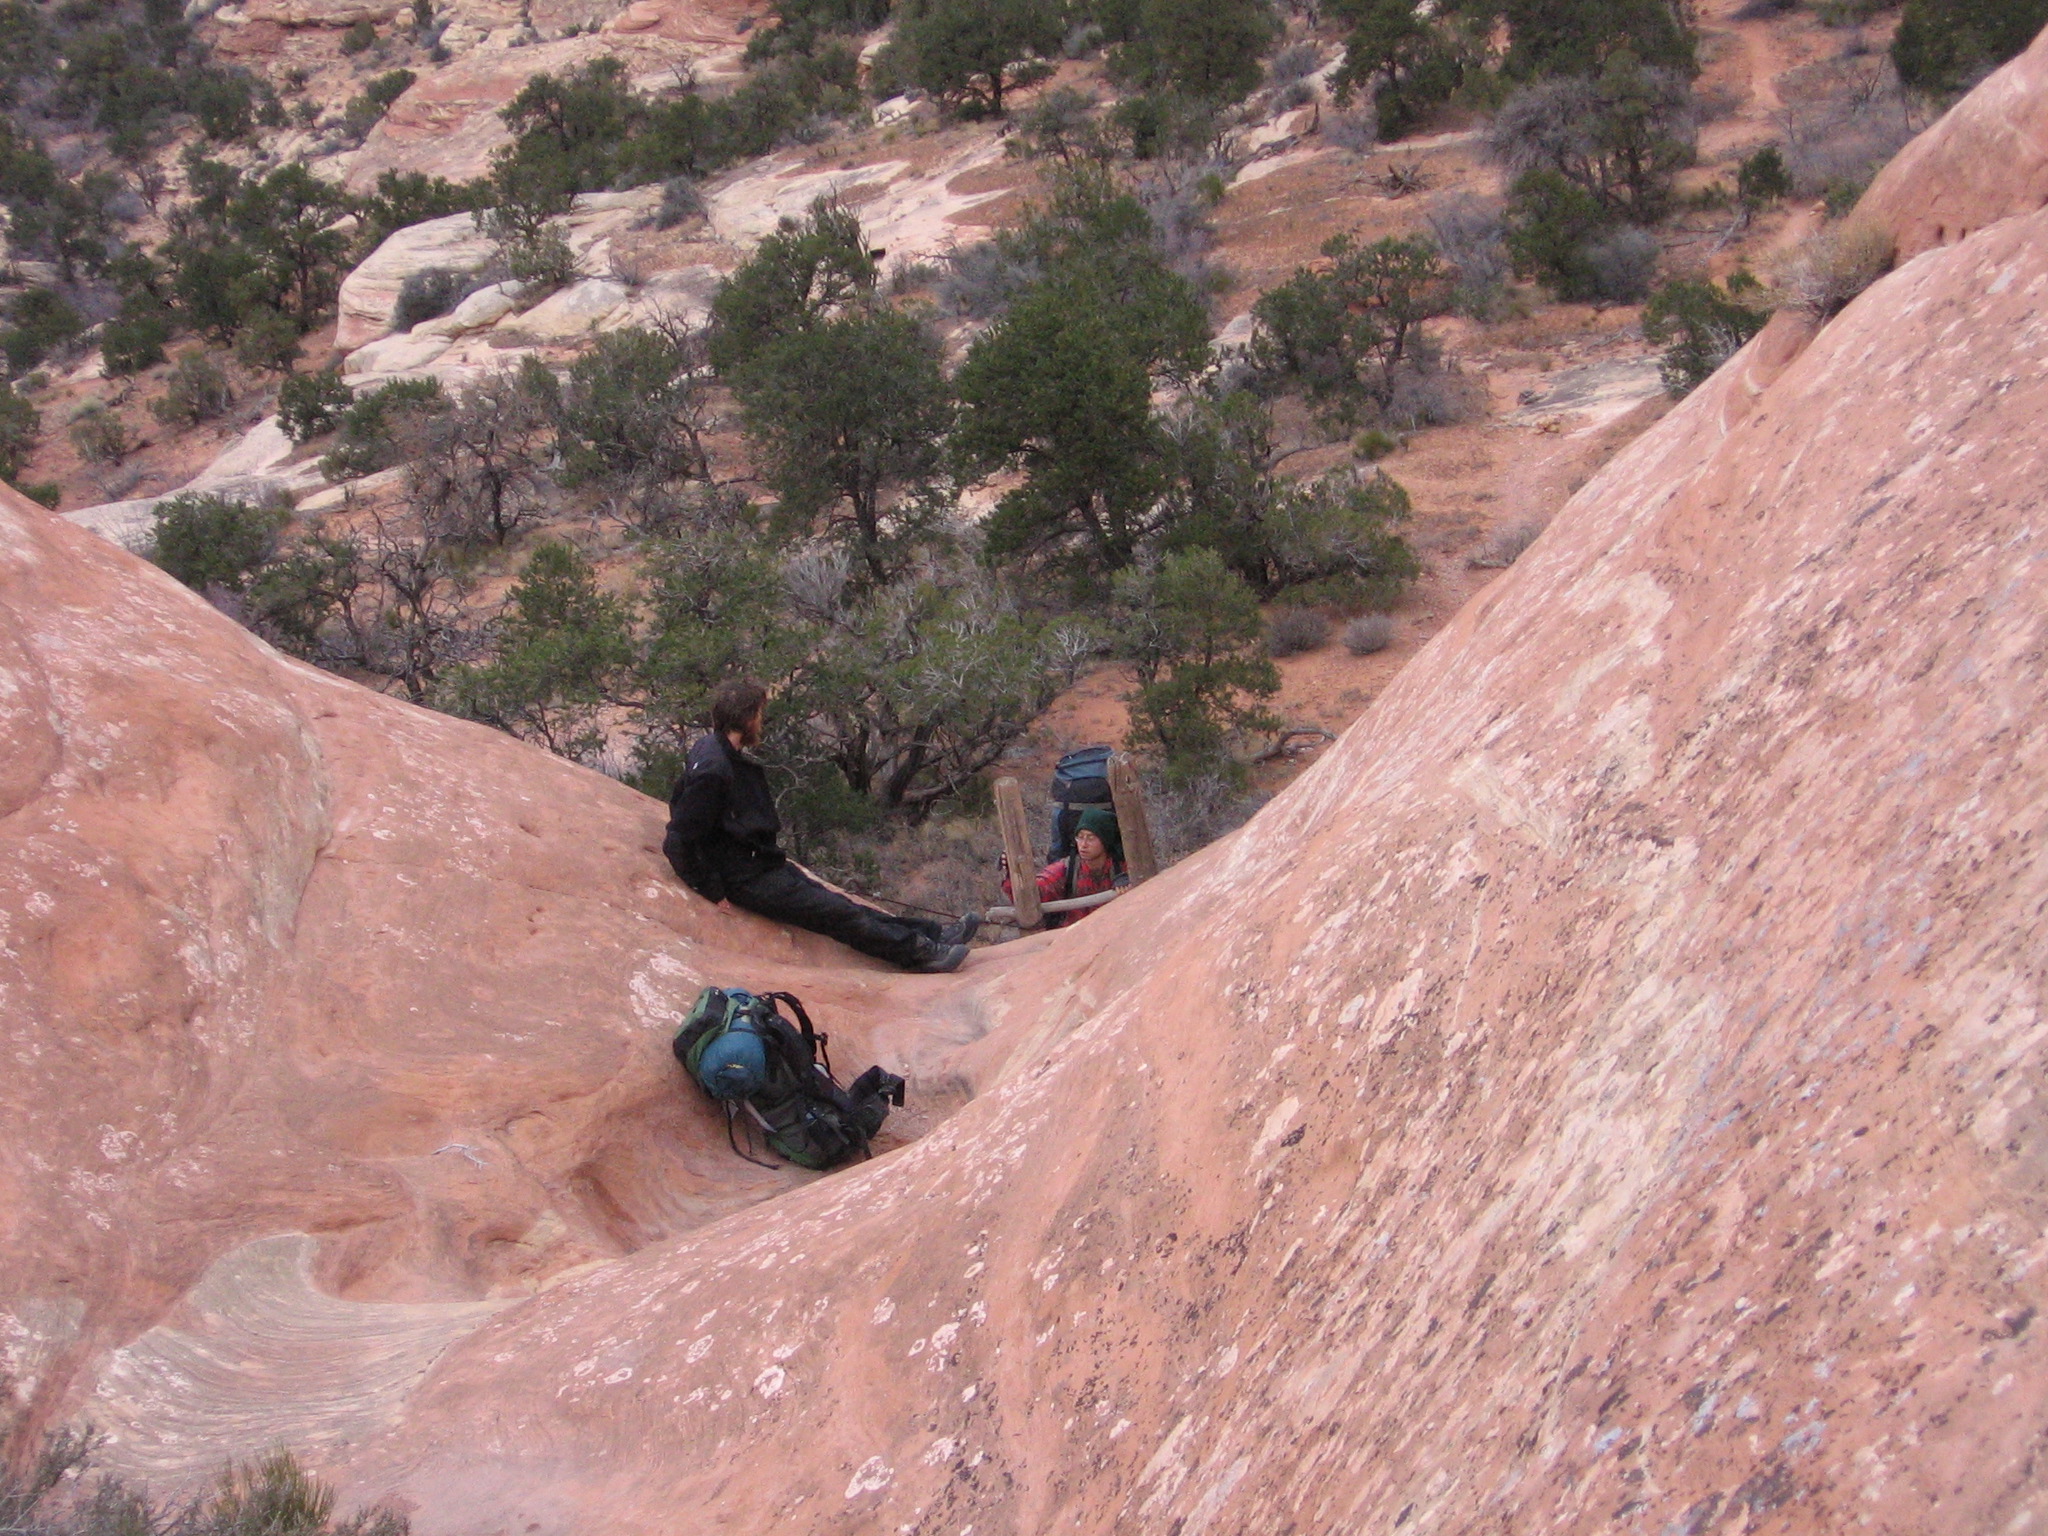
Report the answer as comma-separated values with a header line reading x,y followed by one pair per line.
x,y
970,52
1191,630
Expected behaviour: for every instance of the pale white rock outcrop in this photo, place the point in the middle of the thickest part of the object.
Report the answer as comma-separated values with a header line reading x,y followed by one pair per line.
x,y
334,497
683,295
370,292
571,313
487,306
913,213
254,467
392,355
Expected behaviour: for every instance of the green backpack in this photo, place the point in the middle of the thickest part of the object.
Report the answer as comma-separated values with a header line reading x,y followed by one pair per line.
x,y
762,1069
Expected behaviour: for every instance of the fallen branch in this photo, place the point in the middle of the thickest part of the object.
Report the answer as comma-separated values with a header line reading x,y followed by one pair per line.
x,y
1065,904
1288,737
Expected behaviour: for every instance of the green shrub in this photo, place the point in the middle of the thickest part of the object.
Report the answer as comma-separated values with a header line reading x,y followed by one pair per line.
x,y
969,53
1841,195
1942,45
568,133
404,198
1700,325
196,391
39,323
310,405
847,418
1345,332
632,408
365,443
21,425
1205,49
291,599
1618,136
1157,125
1190,629
225,102
801,26
387,88
1061,386
213,541
789,100
134,339
1413,62
428,295
269,342
564,647
100,436
1374,444
45,493
803,273
360,36
545,261
247,245
588,129
1060,125
1763,178
1575,37
1560,233
1333,540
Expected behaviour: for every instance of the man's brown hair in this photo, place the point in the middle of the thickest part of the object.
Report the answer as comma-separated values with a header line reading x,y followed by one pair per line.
x,y
734,706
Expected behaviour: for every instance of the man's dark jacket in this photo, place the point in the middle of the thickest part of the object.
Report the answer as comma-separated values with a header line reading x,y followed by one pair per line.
x,y
721,820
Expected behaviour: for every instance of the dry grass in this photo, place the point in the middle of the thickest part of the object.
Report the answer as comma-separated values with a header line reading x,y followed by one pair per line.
x,y
1506,547
1835,264
1369,634
1291,631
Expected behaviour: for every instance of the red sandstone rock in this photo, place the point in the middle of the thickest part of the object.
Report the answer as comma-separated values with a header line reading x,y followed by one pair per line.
x,y
1986,160
1603,1092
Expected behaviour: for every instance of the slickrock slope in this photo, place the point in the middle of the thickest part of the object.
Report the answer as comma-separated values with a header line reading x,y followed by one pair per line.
x,y
1607,1085
1604,1091
280,956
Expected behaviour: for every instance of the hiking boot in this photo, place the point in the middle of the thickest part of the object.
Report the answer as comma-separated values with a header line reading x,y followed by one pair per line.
x,y
961,929
937,959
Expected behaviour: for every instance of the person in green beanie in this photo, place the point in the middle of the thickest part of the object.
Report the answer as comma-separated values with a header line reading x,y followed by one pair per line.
x,y
1095,865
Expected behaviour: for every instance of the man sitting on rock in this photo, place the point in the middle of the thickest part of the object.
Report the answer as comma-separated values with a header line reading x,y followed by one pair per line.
x,y
722,831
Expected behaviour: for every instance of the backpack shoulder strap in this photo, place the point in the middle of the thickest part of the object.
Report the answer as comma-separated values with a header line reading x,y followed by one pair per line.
x,y
815,1040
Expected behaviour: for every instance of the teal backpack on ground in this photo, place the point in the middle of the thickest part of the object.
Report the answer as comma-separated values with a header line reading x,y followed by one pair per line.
x,y
750,1060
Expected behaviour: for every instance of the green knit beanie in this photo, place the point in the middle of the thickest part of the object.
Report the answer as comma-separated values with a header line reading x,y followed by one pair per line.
x,y
1103,824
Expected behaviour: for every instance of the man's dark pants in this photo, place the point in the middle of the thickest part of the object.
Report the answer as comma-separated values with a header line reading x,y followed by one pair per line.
x,y
790,895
